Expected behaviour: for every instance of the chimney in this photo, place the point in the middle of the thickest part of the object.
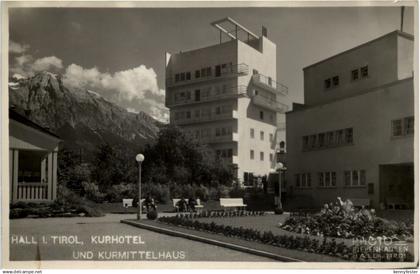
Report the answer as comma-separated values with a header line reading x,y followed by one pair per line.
x,y
264,32
402,18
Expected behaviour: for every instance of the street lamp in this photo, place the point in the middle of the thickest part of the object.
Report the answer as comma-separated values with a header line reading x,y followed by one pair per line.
x,y
139,159
280,167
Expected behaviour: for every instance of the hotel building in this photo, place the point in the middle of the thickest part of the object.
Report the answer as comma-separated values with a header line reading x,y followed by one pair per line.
x,y
354,136
227,96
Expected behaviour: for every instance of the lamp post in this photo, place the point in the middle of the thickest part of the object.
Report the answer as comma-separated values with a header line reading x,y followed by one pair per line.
x,y
139,159
280,167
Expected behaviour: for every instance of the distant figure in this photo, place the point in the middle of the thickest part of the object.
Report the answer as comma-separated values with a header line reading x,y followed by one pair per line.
x,y
182,205
191,204
149,203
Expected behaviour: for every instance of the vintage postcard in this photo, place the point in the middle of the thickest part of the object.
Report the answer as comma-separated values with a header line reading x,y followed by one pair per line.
x,y
209,134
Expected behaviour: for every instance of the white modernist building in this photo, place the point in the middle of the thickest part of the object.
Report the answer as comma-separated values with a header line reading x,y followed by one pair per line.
x,y
227,96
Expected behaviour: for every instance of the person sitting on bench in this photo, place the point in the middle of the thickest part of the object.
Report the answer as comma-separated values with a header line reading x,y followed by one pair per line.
x,y
149,203
182,205
191,204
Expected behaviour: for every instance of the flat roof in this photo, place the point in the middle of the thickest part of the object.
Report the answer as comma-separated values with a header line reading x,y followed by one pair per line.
x,y
395,32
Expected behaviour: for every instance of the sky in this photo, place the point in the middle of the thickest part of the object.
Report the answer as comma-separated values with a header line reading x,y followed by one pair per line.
x,y
120,53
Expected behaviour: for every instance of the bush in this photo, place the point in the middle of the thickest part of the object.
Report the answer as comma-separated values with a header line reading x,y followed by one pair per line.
x,y
158,192
67,196
278,211
17,213
121,191
152,215
218,192
237,192
92,192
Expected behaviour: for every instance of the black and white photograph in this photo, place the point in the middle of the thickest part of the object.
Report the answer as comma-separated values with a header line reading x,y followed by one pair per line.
x,y
253,133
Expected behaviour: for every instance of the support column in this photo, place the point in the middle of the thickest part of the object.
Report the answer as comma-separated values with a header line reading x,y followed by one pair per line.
x,y
15,174
44,170
54,176
50,176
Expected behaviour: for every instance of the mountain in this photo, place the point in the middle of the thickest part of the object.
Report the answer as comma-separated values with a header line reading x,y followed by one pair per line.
x,y
82,118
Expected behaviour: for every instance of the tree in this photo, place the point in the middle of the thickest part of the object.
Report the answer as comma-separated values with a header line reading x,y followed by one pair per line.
x,y
180,158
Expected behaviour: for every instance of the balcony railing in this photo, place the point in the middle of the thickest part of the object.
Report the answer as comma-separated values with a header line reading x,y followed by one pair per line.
x,y
228,71
269,103
233,137
269,84
208,118
230,92
32,191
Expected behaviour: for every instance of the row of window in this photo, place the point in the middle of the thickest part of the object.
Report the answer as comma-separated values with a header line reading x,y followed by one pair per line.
x,y
355,74
206,112
205,72
252,155
328,179
208,132
328,139
200,94
252,135
403,127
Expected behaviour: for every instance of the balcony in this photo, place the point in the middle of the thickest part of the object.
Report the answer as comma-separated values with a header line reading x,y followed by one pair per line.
x,y
212,117
269,103
223,73
267,83
233,137
229,93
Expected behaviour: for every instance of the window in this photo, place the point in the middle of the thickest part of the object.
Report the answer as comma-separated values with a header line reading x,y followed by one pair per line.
x,y
330,138
251,133
327,179
349,136
271,137
188,114
197,74
355,178
313,141
355,74
397,128
336,81
197,95
177,77
327,83
364,71
262,156
339,136
409,125
297,180
251,154
402,127
321,139
182,76
208,70
262,115
218,71
262,135
188,76
303,180
218,133
321,179
218,110
271,157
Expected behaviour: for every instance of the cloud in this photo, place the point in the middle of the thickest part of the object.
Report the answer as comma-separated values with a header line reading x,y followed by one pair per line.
x,y
27,66
135,89
47,63
17,48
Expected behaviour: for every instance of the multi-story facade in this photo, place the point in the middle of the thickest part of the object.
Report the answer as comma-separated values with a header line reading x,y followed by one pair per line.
x,y
354,136
227,96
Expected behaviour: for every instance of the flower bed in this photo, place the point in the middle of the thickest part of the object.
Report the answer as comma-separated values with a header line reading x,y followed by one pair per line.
x,y
220,214
342,220
46,210
327,247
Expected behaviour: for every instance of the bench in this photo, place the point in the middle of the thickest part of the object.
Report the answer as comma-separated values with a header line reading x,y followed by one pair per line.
x,y
396,204
232,203
359,202
127,203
